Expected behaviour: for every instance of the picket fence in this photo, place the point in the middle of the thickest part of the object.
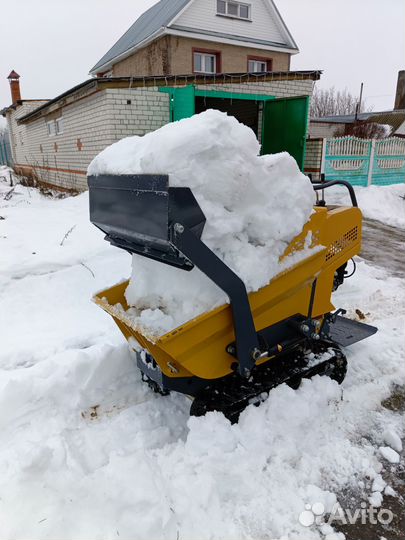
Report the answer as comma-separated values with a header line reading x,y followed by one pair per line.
x,y
363,162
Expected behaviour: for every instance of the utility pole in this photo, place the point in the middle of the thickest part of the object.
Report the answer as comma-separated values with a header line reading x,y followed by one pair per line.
x,y
358,106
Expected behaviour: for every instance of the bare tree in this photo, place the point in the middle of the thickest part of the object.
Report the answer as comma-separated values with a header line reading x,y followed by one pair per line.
x,y
330,102
368,130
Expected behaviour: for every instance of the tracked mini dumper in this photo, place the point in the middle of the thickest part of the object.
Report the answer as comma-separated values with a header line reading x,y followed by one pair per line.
x,y
230,357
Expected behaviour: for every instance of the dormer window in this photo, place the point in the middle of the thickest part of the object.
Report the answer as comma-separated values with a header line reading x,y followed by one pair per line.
x,y
236,10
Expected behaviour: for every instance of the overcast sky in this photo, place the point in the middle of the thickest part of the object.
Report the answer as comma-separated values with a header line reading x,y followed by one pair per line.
x,y
52,44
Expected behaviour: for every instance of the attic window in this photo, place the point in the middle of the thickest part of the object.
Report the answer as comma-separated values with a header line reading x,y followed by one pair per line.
x,y
236,10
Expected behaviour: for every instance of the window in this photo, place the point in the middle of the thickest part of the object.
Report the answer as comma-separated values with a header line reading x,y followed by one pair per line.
x,y
51,128
55,127
59,126
206,62
221,7
237,10
259,65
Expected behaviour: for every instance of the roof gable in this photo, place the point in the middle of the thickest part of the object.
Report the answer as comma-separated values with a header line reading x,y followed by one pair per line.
x,y
267,27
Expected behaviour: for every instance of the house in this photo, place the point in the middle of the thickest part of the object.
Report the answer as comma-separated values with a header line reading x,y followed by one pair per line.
x,y
382,124
204,37
54,140
366,125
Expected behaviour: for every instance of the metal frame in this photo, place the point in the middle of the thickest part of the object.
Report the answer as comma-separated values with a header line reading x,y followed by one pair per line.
x,y
247,343
320,186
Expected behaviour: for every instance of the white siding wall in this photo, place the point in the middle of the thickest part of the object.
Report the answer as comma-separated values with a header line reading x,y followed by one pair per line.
x,y
202,14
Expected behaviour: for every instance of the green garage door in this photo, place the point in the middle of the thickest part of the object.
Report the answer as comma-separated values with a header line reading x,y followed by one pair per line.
x,y
182,103
285,124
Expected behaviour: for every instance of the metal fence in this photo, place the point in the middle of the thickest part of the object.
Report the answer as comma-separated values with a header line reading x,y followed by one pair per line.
x,y
363,162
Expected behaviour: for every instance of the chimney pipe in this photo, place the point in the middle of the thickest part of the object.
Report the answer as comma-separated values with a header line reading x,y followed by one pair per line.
x,y
14,79
400,95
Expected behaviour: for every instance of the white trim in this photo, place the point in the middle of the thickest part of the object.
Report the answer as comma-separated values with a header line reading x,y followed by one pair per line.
x,y
217,39
180,13
282,25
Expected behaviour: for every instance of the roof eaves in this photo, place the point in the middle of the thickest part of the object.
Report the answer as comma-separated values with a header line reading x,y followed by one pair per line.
x,y
179,13
53,101
283,25
162,80
99,68
233,37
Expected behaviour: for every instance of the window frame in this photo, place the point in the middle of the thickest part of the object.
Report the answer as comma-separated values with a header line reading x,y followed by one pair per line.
x,y
51,124
55,127
233,16
206,52
267,61
59,121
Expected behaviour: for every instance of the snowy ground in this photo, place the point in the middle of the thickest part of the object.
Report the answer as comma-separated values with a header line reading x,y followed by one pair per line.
x,y
382,203
88,452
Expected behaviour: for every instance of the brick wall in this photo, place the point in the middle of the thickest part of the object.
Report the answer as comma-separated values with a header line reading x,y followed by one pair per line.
x,y
325,130
105,116
173,55
313,157
18,133
278,89
90,125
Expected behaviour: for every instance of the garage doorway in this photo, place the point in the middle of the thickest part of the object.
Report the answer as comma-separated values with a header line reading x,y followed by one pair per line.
x,y
279,124
246,111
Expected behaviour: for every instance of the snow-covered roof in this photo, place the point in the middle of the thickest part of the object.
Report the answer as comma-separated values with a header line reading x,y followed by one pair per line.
x,y
161,16
392,118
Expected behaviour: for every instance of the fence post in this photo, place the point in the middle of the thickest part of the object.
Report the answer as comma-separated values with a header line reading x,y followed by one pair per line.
x,y
323,156
371,163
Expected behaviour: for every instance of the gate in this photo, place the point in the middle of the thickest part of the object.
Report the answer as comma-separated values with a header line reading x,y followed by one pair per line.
x,y
389,162
5,151
348,158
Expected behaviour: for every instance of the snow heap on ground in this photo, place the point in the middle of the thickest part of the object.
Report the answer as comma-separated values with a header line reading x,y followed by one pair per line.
x,y
382,203
87,451
254,207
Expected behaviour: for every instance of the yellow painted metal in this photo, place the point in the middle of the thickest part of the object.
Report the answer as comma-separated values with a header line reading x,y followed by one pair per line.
x,y
199,346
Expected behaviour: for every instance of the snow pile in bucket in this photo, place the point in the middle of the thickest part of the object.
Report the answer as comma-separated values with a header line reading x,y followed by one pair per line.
x,y
254,205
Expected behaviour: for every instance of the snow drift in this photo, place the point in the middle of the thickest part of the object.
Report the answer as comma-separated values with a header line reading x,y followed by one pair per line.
x,y
88,451
381,203
254,205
